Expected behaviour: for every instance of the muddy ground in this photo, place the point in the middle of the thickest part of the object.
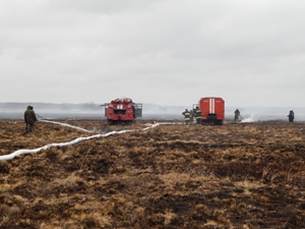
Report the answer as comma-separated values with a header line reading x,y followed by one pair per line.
x,y
231,176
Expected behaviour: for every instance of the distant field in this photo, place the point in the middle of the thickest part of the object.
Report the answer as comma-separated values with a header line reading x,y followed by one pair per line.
x,y
174,176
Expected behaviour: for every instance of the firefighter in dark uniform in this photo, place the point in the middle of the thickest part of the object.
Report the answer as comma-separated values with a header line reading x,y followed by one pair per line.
x,y
291,116
187,116
29,119
192,116
197,114
236,115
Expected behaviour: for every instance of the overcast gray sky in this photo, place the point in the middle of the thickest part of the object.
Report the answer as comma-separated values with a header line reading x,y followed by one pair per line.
x,y
155,51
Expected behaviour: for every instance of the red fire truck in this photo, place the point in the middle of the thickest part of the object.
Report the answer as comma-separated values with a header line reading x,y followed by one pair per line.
x,y
212,110
122,110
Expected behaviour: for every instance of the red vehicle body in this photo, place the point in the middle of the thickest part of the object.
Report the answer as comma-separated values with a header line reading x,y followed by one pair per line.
x,y
122,110
212,110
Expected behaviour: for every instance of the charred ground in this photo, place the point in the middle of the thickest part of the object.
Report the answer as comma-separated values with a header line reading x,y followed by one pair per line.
x,y
245,175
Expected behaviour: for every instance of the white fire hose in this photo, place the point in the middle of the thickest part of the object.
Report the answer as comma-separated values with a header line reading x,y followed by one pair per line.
x,y
73,142
66,125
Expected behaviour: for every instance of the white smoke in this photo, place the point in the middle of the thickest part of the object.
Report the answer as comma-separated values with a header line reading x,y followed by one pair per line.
x,y
249,119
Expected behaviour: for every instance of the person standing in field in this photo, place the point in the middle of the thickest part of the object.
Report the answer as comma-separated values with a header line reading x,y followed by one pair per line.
x,y
197,114
29,119
236,115
187,116
291,116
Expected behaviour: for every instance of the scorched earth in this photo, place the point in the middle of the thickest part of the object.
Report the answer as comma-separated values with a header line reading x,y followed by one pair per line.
x,y
173,176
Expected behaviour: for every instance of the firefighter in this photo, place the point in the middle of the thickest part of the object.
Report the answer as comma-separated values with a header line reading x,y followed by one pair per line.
x,y
29,119
236,115
291,116
187,116
192,116
197,114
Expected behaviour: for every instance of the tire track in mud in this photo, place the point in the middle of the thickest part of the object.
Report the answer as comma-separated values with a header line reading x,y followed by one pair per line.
x,y
197,144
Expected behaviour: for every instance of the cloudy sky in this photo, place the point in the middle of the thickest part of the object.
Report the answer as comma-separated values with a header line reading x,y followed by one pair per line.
x,y
251,52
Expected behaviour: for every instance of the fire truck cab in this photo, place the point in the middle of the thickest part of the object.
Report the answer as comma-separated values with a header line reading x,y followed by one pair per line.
x,y
122,110
212,110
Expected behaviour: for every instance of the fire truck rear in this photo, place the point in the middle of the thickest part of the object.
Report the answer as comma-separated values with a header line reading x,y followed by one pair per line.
x,y
212,110
122,111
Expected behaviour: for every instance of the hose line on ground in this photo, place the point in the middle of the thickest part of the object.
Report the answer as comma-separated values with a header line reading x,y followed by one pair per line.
x,y
69,143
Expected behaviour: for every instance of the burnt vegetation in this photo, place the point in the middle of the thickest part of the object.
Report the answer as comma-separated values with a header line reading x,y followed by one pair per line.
x,y
241,176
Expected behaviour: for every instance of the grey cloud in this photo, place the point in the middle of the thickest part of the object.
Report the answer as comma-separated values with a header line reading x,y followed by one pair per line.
x,y
167,52
101,6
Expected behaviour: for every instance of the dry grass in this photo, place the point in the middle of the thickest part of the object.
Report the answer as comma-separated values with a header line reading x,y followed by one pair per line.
x,y
13,137
239,176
